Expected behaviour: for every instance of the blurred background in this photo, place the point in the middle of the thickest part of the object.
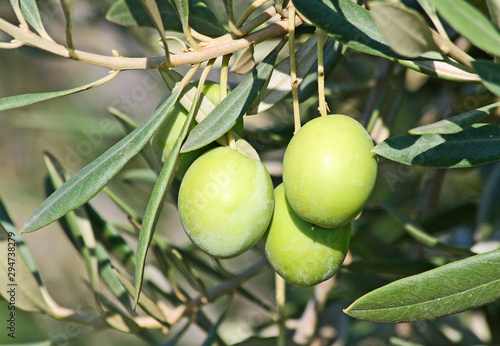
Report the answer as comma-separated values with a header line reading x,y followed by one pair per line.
x,y
77,129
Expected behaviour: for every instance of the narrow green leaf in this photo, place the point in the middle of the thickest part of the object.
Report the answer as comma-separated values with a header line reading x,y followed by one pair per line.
x,y
457,123
111,238
404,29
130,13
245,61
234,106
17,101
32,15
41,300
280,85
474,146
494,10
68,7
182,8
443,69
348,23
490,75
91,179
446,290
155,203
76,224
109,277
471,23
146,303
130,125
418,233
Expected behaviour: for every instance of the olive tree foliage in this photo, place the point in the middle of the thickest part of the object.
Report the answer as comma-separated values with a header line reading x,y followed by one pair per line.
x,y
418,252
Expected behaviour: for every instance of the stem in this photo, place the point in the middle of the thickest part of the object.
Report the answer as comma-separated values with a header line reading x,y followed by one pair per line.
x,y
154,62
255,5
224,72
230,285
293,69
320,34
449,48
280,301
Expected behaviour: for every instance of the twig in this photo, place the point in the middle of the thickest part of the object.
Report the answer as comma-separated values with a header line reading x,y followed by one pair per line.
x,y
153,62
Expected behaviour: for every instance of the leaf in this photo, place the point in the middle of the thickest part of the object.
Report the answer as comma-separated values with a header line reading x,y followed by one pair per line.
x,y
457,123
348,23
32,15
279,84
182,9
68,9
404,29
474,146
130,13
471,23
245,61
441,69
490,75
112,240
157,198
446,290
246,149
41,300
130,125
494,10
92,178
234,106
76,224
17,101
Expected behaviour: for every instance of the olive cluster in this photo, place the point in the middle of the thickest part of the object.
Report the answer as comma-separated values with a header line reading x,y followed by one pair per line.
x,y
227,201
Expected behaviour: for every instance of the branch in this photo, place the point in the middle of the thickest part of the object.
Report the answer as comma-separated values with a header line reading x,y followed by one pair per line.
x,y
154,62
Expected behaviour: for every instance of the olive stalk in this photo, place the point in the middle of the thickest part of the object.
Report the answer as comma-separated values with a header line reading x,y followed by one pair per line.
x,y
293,69
320,34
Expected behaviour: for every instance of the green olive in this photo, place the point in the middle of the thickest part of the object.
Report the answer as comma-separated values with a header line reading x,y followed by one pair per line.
x,y
226,202
329,170
303,254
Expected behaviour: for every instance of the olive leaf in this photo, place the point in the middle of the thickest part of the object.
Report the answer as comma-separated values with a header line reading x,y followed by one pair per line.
x,y
471,23
452,288
84,185
457,123
233,107
17,101
130,13
474,146
404,29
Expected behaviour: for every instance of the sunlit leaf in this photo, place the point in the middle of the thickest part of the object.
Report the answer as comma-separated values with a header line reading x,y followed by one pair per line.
x,y
457,123
130,13
91,179
17,101
446,290
155,203
234,106
474,146
32,15
471,23
404,29
348,23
